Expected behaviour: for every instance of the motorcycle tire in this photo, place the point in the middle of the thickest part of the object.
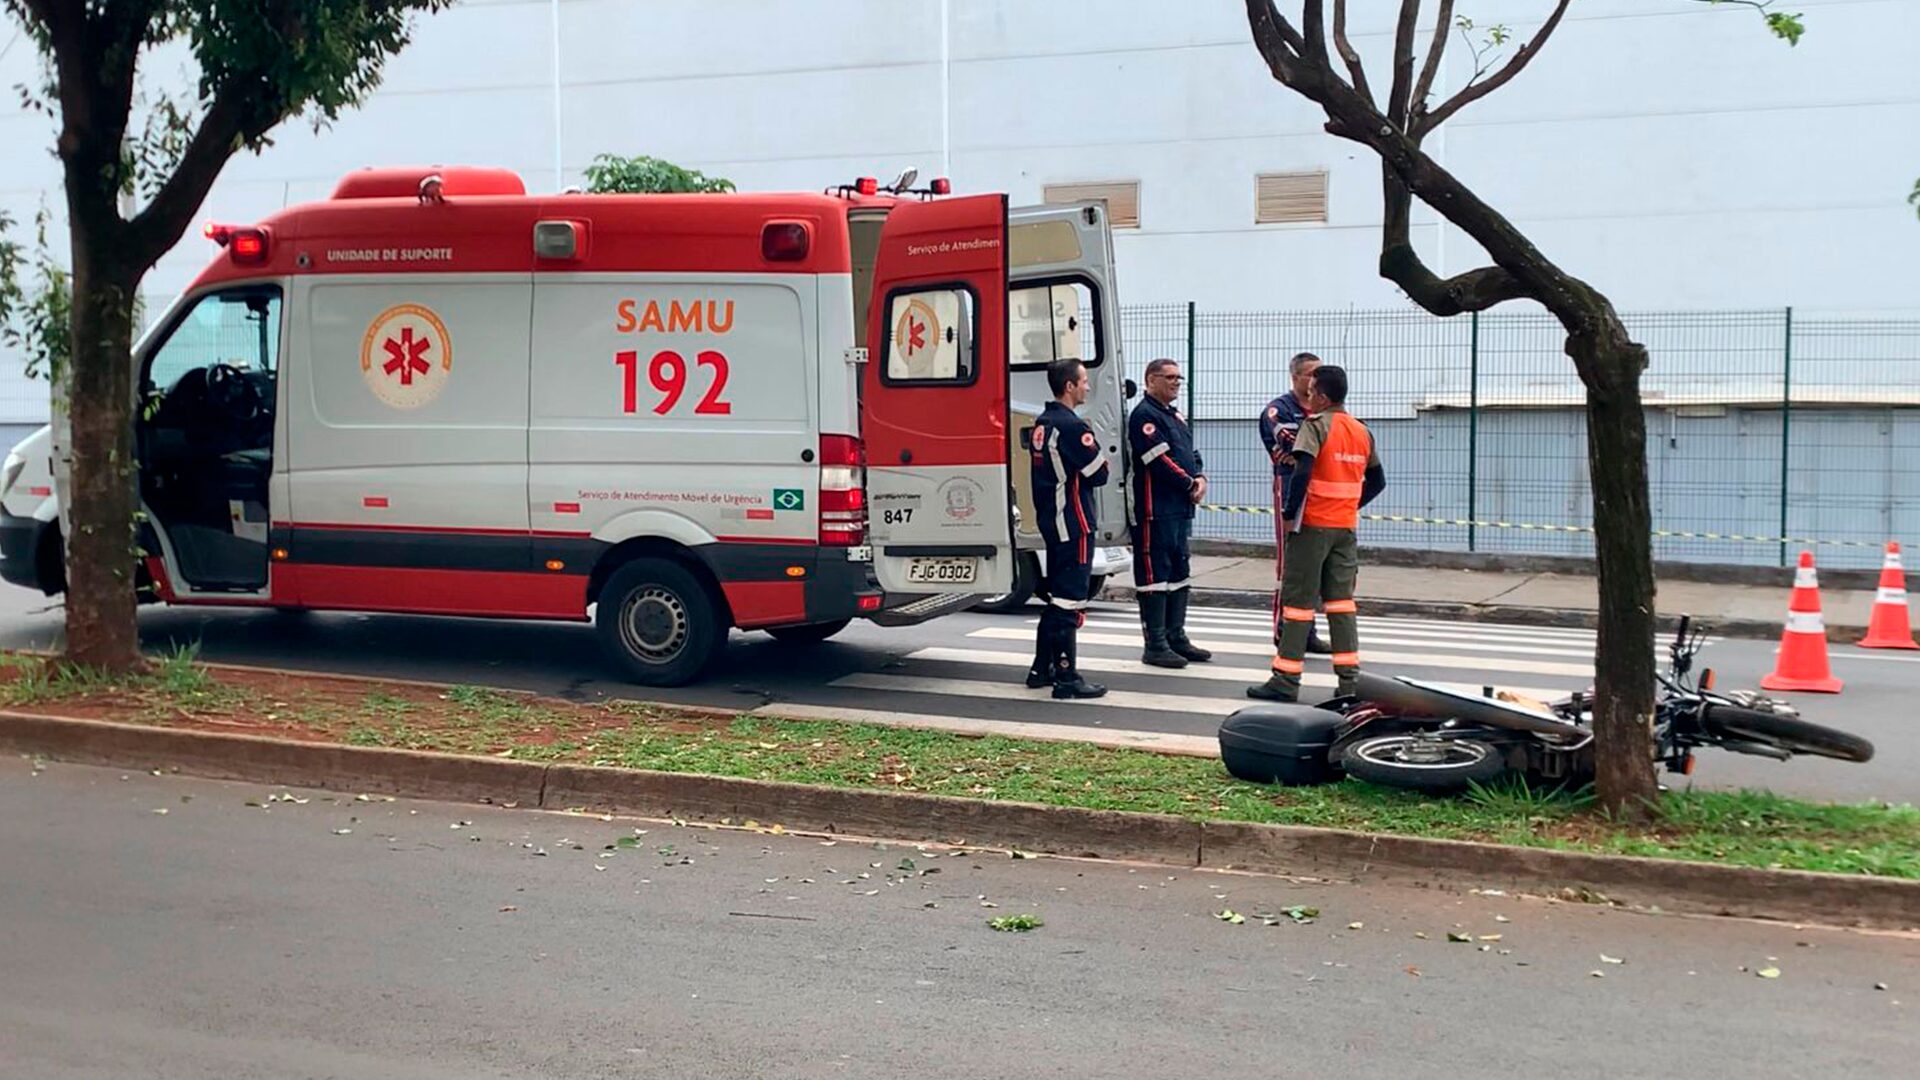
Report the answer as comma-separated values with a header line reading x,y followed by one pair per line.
x,y
1382,760
1789,733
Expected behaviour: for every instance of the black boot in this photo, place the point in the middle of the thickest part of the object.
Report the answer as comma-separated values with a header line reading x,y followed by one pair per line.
x,y
1067,682
1177,628
1153,623
1274,689
1041,673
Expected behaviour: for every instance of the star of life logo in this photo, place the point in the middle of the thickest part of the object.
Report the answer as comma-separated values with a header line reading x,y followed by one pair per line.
x,y
406,356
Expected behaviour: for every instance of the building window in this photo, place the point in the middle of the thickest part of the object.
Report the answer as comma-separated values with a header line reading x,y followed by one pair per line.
x,y
1290,198
1122,199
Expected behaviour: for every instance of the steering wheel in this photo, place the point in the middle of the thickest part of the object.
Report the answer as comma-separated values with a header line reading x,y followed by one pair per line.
x,y
233,394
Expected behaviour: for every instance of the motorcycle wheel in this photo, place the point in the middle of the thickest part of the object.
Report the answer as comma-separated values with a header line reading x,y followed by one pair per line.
x,y
1789,733
1428,765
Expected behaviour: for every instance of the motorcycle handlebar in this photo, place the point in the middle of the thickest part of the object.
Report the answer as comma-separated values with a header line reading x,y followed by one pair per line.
x,y
1680,635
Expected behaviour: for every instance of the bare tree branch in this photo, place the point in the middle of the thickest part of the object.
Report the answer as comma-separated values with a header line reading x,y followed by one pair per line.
x,y
1280,45
1475,91
1314,23
1475,290
1400,95
1349,54
1442,30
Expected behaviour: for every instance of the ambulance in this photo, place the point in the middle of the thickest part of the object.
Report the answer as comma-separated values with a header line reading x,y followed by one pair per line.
x,y
667,415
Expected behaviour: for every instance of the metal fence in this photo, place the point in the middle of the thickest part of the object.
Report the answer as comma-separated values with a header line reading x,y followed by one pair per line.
x,y
1766,433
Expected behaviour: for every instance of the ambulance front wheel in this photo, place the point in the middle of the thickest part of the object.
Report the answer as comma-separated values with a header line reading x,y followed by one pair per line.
x,y
660,622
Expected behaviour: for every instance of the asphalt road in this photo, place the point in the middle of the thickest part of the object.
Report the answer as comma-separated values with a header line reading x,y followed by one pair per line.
x,y
413,940
970,665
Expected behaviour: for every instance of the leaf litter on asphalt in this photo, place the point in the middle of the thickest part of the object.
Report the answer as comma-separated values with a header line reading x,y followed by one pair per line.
x,y
1018,924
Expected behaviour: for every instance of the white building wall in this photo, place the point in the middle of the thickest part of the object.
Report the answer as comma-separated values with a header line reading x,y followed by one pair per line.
x,y
1675,155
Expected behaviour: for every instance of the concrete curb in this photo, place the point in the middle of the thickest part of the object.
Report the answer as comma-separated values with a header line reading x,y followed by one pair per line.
x,y
1252,600
1701,888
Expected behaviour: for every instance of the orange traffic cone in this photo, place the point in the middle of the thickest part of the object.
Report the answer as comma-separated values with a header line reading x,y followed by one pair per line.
x,y
1890,627
1803,645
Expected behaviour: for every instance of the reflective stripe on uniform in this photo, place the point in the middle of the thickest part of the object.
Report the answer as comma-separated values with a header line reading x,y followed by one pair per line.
x,y
1059,483
1346,659
1288,667
1067,605
1093,466
1340,607
1805,622
1297,614
1154,586
1176,586
1154,451
1334,489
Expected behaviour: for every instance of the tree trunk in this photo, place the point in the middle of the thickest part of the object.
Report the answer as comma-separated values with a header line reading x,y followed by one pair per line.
x,y
101,630
1610,364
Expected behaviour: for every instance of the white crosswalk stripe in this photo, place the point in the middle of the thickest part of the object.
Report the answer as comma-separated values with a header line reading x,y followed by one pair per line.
x,y
1368,640
972,681
1211,672
1368,656
1261,614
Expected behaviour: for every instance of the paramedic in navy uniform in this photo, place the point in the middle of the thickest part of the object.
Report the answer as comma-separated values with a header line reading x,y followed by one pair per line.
x,y
1067,466
1168,481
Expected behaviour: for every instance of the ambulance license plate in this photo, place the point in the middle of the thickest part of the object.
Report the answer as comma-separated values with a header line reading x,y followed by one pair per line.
x,y
942,571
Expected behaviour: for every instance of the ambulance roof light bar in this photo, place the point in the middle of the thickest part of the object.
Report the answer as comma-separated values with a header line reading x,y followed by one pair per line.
x,y
869,186
246,245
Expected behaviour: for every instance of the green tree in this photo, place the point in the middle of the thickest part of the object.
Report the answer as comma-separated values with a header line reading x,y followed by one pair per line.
x,y
648,176
36,300
260,63
1328,71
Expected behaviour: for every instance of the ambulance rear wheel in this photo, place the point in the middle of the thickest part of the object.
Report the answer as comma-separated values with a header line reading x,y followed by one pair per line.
x,y
808,634
660,622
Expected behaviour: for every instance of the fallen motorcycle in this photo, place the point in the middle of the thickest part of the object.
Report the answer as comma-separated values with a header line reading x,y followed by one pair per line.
x,y
1406,733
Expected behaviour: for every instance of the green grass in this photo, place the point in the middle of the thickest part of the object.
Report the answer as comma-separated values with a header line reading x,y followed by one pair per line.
x,y
174,680
1742,828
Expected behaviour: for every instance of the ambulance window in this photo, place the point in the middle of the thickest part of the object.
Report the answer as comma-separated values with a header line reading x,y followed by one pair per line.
x,y
1048,321
239,328
931,337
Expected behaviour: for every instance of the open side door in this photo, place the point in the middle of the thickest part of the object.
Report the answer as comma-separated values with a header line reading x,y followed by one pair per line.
x,y
1063,301
934,400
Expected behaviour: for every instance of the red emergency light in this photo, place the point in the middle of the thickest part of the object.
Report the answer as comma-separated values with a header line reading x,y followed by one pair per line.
x,y
867,185
785,241
246,246
941,186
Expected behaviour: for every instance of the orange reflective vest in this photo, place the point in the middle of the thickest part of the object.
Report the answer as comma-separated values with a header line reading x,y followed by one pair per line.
x,y
1339,473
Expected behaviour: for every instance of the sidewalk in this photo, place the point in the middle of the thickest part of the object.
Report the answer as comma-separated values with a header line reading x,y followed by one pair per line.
x,y
1541,599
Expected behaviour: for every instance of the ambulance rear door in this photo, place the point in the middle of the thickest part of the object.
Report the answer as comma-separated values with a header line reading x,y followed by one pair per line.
x,y
1063,302
934,400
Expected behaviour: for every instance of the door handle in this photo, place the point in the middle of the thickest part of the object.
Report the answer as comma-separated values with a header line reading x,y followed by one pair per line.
x,y
906,456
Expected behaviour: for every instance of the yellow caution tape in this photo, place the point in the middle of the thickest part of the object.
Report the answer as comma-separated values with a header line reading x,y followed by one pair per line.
x,y
1407,519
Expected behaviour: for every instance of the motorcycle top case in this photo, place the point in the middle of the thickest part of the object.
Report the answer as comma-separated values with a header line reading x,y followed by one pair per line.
x,y
1280,742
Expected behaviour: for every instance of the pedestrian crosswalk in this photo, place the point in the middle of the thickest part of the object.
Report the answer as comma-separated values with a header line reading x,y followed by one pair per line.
x,y
980,670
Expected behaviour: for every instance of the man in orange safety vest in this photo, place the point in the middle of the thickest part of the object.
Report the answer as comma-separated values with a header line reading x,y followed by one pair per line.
x,y
1337,472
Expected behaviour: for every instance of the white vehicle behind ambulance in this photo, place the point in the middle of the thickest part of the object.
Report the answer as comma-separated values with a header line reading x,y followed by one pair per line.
x,y
671,415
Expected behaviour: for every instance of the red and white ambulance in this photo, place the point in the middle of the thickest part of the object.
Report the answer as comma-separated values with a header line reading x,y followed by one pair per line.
x,y
669,414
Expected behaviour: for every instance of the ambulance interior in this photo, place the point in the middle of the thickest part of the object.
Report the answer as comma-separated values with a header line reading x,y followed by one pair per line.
x,y
1049,317
204,437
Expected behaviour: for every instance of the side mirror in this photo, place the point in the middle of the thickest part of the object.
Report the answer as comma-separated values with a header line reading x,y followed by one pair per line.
x,y
1129,389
